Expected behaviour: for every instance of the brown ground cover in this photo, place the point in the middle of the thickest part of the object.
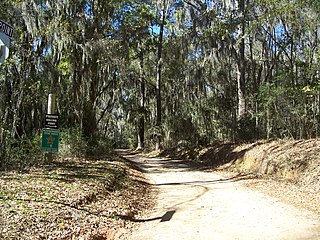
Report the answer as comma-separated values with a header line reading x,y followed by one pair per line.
x,y
99,198
72,199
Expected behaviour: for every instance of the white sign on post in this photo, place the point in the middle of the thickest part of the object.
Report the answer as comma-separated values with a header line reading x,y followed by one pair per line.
x,y
6,29
4,51
6,32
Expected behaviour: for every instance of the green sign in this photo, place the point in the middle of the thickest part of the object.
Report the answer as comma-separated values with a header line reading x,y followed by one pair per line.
x,y
50,140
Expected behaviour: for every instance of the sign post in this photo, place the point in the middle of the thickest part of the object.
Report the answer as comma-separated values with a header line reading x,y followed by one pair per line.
x,y
51,121
50,140
51,132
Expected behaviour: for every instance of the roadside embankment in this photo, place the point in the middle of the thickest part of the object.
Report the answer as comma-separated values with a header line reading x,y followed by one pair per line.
x,y
289,169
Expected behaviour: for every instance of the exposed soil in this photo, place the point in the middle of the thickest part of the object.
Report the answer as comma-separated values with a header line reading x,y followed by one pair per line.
x,y
288,193
106,198
289,170
196,204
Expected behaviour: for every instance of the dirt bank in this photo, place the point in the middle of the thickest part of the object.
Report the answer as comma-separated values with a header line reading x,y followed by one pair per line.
x,y
289,170
196,204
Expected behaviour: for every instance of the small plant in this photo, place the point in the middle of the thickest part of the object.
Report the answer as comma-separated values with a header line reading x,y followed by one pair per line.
x,y
73,143
20,154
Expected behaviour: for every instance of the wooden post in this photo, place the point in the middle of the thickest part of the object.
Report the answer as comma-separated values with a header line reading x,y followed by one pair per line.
x,y
52,104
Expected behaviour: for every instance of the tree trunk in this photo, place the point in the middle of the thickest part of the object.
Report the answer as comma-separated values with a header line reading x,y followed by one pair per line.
x,y
89,122
158,85
142,105
241,64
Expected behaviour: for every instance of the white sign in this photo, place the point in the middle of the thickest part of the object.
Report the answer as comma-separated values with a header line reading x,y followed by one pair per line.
x,y
6,32
5,39
6,29
4,51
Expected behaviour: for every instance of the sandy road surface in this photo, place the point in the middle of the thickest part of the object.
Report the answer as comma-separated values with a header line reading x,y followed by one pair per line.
x,y
201,205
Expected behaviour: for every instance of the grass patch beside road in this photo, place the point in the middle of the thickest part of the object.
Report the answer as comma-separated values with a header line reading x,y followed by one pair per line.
x,y
69,199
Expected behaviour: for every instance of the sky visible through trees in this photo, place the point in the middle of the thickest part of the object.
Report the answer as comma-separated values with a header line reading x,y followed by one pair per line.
x,y
229,70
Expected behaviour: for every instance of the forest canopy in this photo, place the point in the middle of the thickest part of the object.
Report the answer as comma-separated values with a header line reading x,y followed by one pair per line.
x,y
156,73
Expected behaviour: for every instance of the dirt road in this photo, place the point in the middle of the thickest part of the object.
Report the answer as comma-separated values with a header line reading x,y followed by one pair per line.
x,y
200,205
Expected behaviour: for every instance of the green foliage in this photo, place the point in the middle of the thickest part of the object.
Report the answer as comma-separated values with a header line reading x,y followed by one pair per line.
x,y
281,105
99,147
21,154
95,57
246,129
73,143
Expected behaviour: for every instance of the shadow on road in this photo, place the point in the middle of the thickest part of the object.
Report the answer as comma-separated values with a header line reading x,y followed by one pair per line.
x,y
165,218
222,180
162,165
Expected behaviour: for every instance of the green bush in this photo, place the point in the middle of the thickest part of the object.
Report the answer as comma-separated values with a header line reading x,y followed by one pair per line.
x,y
72,143
20,154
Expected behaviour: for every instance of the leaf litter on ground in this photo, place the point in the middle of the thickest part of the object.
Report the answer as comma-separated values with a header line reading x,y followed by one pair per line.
x,y
72,199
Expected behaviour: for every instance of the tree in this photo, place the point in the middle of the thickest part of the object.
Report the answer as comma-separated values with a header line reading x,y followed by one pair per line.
x,y
171,71
159,68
